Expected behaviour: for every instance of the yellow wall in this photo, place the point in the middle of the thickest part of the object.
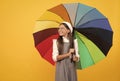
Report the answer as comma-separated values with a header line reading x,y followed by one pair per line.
x,y
20,61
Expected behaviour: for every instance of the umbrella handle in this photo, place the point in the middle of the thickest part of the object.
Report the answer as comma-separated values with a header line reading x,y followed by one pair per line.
x,y
72,57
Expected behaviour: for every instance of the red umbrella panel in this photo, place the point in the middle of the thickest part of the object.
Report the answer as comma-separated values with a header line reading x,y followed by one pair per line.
x,y
43,42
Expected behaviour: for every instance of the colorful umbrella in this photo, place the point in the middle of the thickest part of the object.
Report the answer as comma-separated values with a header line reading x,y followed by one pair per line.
x,y
92,30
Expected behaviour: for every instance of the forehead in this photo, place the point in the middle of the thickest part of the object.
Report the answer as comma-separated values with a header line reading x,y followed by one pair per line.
x,y
62,26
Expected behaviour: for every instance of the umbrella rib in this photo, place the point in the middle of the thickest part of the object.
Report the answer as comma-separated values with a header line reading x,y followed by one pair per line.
x,y
76,14
100,38
93,56
86,46
59,15
93,28
98,27
67,14
85,15
49,20
90,57
45,29
92,20
72,9
45,36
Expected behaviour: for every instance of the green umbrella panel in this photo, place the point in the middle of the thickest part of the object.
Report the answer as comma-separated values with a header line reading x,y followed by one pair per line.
x,y
88,51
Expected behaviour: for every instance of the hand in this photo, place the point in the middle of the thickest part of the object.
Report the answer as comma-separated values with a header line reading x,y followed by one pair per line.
x,y
75,58
72,50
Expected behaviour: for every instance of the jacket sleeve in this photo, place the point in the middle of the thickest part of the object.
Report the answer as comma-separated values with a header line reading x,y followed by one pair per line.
x,y
55,50
76,49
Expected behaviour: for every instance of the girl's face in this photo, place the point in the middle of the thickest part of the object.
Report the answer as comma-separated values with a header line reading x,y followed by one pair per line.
x,y
63,31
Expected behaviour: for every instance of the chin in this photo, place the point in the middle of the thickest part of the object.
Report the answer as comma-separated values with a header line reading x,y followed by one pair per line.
x,y
60,35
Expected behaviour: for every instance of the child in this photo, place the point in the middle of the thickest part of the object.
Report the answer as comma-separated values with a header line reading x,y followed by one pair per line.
x,y
65,53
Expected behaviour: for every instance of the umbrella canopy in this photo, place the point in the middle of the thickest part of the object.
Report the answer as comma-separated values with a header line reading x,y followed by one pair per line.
x,y
92,30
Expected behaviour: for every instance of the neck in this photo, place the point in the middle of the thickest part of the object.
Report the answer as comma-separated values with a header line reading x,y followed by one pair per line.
x,y
66,36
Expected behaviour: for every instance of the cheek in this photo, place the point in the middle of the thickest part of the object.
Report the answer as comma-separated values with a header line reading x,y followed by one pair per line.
x,y
61,32
64,31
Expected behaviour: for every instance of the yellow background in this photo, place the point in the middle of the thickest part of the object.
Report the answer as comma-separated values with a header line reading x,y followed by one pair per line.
x,y
20,61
